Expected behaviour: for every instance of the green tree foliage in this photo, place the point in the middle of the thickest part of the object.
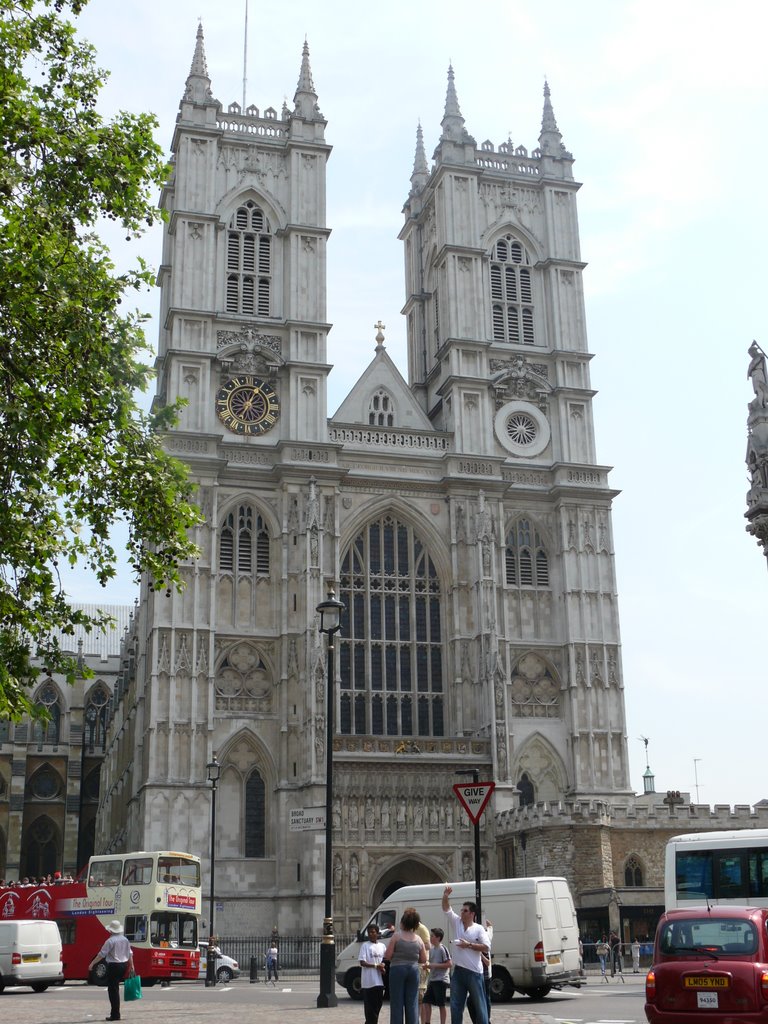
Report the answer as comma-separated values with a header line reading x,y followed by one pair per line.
x,y
77,454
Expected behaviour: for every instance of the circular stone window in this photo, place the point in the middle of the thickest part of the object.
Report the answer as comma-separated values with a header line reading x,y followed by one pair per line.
x,y
522,429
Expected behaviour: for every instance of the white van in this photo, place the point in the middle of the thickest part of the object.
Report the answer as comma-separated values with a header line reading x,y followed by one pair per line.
x,y
30,954
535,935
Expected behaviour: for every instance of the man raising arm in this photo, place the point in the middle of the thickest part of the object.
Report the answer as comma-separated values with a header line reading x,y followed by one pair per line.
x,y
470,944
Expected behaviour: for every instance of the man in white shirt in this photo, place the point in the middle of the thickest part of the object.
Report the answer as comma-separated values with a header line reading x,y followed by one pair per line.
x,y
470,944
119,957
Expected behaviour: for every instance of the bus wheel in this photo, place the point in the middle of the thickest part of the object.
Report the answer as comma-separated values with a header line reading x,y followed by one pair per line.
x,y
98,975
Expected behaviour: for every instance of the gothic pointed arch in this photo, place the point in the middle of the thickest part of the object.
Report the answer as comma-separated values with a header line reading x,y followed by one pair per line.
x,y
409,869
247,787
516,317
527,556
97,715
392,652
49,696
41,846
541,769
633,871
382,411
45,785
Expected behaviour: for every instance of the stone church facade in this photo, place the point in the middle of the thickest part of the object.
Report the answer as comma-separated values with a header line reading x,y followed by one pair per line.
x,y
461,516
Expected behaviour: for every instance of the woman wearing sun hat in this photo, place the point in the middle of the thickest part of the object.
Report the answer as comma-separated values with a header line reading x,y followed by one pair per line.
x,y
119,958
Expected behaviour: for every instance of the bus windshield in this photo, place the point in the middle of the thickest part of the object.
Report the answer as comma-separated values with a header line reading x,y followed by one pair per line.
x,y
178,870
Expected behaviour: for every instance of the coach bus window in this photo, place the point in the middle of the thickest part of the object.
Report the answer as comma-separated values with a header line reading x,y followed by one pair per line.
x,y
758,873
136,927
693,875
731,883
138,871
178,870
105,872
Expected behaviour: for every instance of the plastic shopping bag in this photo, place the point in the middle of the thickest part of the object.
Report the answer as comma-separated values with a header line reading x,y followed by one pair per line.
x,y
132,988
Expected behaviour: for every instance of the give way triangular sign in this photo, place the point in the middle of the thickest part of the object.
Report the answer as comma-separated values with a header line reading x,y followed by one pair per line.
x,y
473,796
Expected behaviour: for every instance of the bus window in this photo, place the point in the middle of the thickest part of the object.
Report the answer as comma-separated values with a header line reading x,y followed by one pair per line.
x,y
731,879
136,927
178,871
693,875
66,931
105,872
138,871
169,929
758,873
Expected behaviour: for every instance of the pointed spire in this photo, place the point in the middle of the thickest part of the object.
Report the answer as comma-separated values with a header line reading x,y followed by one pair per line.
x,y
305,100
198,85
550,139
420,169
452,123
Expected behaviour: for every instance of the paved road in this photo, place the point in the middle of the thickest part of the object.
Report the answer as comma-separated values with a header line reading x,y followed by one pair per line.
x,y
287,1003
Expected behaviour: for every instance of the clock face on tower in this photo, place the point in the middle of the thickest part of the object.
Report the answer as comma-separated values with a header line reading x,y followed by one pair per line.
x,y
247,405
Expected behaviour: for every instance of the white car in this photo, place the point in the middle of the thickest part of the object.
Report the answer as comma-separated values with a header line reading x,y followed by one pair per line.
x,y
226,967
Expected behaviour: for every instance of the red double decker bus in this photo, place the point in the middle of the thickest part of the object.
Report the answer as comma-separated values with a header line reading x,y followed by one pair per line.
x,y
155,895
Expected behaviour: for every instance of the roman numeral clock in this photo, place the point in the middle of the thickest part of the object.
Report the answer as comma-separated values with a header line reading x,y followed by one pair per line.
x,y
247,405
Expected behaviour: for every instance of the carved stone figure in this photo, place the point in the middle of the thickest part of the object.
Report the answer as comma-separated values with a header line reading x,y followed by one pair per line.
x,y
757,374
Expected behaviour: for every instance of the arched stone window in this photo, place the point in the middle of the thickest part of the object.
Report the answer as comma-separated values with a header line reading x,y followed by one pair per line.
x,y
255,815
41,848
249,262
49,698
512,306
391,647
244,543
633,872
526,561
381,410
525,788
97,719
45,784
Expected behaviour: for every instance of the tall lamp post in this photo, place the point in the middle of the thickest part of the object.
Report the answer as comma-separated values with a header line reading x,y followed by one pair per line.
x,y
330,623
214,774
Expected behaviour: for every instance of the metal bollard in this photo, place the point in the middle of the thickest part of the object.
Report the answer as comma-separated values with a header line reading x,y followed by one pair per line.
x,y
254,969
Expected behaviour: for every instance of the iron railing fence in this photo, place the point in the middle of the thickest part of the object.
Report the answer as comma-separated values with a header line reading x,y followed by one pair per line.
x,y
298,955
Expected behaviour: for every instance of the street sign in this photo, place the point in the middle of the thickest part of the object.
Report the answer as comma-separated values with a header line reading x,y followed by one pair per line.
x,y
473,796
307,819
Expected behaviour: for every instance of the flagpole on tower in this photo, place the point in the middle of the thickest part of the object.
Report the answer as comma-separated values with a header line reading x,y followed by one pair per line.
x,y
245,53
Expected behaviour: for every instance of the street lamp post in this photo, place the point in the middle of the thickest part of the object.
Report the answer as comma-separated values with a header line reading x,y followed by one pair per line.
x,y
214,774
330,623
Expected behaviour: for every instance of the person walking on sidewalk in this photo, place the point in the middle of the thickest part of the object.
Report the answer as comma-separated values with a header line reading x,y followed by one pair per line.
x,y
271,964
602,949
118,955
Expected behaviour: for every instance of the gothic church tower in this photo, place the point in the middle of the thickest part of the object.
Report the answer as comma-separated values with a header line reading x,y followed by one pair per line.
x,y
461,516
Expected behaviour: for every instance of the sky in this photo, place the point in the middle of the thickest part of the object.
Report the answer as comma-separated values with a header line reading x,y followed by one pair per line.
x,y
663,105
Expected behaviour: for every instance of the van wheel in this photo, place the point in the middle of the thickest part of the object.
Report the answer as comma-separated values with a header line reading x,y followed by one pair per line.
x,y
2,986
537,992
502,988
353,986
223,975
39,986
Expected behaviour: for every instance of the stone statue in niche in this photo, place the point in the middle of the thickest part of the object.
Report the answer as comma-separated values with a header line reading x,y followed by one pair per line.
x,y
385,814
369,819
354,871
338,872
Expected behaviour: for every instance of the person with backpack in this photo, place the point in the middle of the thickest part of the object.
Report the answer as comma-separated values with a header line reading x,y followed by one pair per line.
x,y
437,986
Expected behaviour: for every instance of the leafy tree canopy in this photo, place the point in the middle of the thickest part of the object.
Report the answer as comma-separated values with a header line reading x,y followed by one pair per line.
x,y
77,453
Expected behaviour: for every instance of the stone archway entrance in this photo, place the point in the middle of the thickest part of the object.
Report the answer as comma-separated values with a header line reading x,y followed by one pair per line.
x,y
406,872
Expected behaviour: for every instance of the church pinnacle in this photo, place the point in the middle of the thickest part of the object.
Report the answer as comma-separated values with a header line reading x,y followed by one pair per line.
x,y
420,169
452,123
198,85
550,139
305,99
